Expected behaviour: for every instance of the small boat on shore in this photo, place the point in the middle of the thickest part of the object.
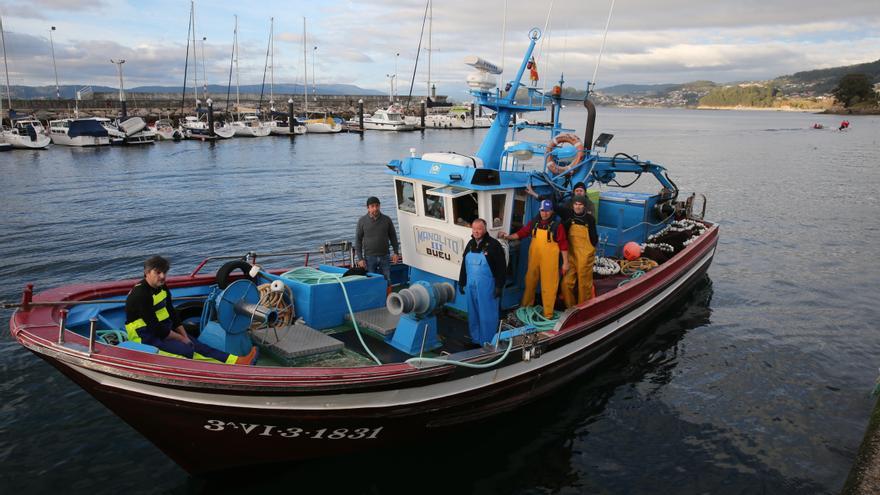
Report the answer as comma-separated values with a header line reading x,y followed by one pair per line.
x,y
347,367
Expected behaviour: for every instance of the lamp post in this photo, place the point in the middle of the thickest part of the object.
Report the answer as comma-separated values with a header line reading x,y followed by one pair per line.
x,y
121,88
55,67
394,90
391,82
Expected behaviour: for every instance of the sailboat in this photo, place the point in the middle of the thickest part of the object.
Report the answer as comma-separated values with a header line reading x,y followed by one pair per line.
x,y
277,124
247,124
324,124
202,126
24,132
125,129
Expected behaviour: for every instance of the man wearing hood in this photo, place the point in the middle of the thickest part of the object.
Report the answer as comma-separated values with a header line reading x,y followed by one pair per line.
x,y
582,239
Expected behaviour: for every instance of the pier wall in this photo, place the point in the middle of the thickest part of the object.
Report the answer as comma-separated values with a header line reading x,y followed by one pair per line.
x,y
152,106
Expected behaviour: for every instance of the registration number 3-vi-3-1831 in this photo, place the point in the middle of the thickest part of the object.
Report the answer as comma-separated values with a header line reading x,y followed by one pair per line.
x,y
293,432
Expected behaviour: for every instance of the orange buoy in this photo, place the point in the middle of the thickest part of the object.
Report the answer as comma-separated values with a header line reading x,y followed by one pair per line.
x,y
632,251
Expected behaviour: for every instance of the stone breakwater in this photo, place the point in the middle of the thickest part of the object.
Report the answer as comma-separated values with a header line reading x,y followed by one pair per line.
x,y
153,106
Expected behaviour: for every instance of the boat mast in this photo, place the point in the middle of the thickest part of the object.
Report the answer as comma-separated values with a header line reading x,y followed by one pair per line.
x,y
6,69
195,56
235,60
272,64
305,74
430,36
189,25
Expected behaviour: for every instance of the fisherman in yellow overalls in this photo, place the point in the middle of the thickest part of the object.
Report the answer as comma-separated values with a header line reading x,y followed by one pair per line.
x,y
582,240
548,242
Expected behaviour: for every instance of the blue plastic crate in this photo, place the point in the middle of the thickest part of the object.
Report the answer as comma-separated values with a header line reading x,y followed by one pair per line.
x,y
323,305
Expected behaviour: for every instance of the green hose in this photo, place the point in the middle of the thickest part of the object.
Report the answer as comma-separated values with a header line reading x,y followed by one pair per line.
x,y
420,360
313,276
534,316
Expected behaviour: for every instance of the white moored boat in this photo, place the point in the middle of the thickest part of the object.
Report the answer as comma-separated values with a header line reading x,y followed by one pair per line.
x,y
78,132
322,125
386,120
26,133
165,130
250,126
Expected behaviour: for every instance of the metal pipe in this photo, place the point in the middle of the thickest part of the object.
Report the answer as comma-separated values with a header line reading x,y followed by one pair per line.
x,y
61,326
591,122
361,116
92,323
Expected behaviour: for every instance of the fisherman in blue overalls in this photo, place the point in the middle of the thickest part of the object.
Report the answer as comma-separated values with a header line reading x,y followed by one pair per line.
x,y
482,274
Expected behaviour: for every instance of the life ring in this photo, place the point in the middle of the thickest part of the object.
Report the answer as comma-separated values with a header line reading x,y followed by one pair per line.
x,y
227,268
564,138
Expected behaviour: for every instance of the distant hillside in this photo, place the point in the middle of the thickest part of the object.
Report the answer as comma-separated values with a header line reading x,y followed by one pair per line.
x,y
637,89
69,91
822,81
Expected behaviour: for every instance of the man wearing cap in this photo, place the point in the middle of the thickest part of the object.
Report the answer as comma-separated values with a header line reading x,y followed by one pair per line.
x,y
482,273
565,210
582,238
548,242
374,233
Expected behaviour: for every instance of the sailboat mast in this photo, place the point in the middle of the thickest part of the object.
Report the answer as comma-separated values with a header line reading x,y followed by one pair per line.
x,y
430,36
305,74
195,56
272,63
6,69
235,50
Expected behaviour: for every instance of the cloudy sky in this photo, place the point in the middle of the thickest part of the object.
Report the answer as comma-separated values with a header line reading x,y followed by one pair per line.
x,y
649,41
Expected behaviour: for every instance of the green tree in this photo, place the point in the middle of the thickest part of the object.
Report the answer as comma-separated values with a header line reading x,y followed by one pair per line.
x,y
854,88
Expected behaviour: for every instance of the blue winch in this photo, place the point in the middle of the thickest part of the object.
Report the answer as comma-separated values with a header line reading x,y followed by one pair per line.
x,y
228,314
417,330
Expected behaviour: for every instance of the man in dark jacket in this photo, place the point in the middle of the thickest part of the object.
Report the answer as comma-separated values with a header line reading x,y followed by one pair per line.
x,y
482,272
374,233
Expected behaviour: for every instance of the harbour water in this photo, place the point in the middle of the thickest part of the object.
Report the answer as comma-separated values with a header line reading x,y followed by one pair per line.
x,y
758,383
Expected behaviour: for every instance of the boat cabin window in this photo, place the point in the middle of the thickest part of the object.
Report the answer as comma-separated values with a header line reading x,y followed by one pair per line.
x,y
498,203
433,204
519,211
465,209
406,196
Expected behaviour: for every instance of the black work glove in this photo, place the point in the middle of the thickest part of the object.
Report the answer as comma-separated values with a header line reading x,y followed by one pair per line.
x,y
461,289
497,292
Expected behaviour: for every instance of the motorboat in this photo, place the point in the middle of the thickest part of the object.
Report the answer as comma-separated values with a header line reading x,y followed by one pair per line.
x,y
250,126
192,127
457,117
386,120
78,132
279,127
26,133
129,131
345,366
165,130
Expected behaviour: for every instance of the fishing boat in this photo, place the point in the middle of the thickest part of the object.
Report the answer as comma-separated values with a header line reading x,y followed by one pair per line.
x,y
345,366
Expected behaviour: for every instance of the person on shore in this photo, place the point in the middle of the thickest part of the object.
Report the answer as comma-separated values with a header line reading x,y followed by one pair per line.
x,y
582,239
374,233
482,273
548,242
150,318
